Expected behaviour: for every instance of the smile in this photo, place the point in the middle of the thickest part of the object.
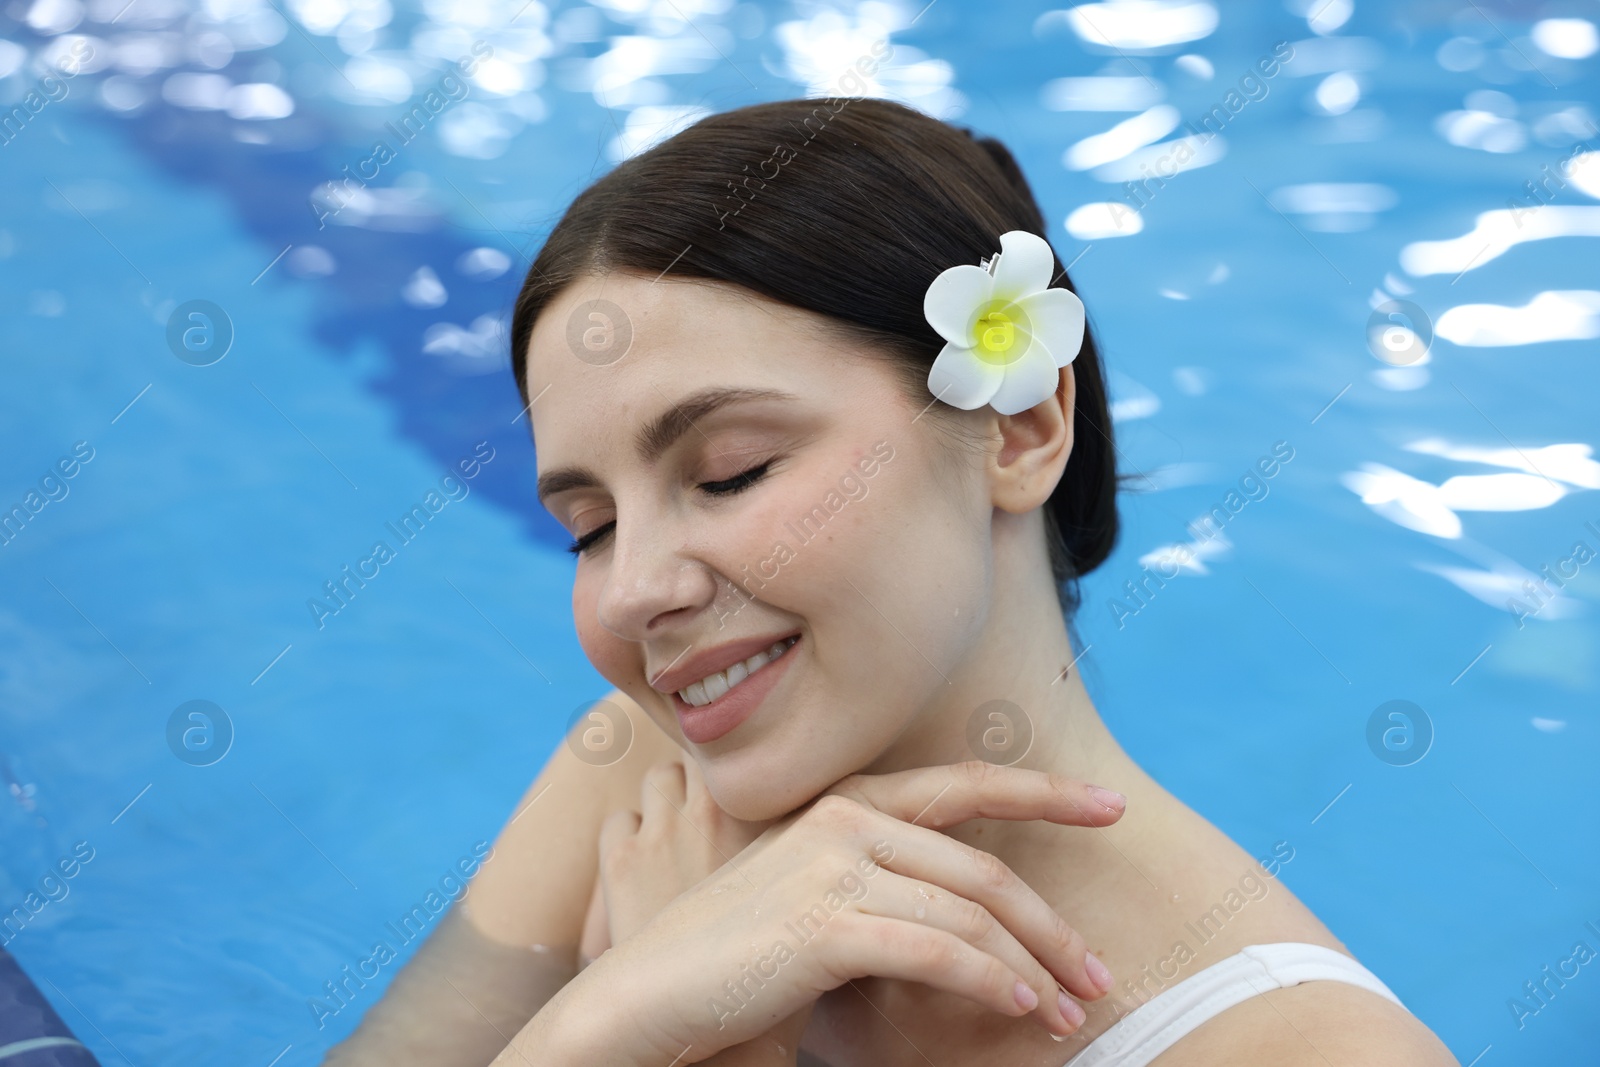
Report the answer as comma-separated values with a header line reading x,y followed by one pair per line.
x,y
715,686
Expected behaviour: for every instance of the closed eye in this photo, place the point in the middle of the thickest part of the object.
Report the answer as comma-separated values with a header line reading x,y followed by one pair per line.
x,y
742,480
727,487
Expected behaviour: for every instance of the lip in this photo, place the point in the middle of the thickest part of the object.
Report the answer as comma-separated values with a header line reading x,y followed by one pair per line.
x,y
704,724
712,660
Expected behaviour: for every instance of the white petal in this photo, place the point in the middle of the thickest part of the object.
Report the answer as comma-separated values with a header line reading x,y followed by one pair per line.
x,y
1029,381
1056,318
952,301
1026,264
961,379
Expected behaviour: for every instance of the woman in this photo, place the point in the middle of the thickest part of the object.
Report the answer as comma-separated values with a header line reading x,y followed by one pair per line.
x,y
850,803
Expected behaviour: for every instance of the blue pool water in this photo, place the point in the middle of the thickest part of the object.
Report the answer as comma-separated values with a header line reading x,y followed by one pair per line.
x,y
1428,153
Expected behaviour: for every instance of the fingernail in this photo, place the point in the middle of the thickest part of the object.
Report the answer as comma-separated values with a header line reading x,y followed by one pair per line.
x,y
1112,800
1098,973
1071,1010
1027,999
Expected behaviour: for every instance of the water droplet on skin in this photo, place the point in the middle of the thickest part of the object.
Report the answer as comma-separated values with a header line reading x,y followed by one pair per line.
x,y
540,948
1174,898
921,908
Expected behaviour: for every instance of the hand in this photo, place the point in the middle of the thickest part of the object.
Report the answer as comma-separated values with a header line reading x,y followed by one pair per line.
x,y
859,882
678,837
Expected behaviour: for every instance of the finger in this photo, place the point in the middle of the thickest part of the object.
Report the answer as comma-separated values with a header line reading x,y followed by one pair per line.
x,y
894,896
698,803
692,777
617,827
661,793
730,834
596,936
939,797
978,876
915,952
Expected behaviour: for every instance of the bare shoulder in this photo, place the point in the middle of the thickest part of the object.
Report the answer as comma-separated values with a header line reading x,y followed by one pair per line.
x,y
1314,1024
536,888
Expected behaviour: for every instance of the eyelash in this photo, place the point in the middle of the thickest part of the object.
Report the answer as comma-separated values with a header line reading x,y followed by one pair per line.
x,y
727,487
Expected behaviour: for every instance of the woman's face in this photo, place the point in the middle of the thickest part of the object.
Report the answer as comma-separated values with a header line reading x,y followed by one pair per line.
x,y
737,478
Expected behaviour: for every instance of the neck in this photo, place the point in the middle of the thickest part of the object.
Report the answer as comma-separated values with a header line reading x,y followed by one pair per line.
x,y
1019,700
1017,697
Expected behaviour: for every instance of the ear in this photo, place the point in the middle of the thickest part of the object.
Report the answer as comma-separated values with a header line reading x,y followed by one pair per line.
x,y
1034,448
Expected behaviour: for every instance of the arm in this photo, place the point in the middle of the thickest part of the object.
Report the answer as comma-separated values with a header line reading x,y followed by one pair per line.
x,y
937,912
479,978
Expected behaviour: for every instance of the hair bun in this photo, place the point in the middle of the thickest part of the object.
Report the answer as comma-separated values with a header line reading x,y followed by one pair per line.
x,y
1003,159
1007,164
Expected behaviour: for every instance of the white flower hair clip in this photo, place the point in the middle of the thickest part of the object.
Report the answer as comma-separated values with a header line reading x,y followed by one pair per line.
x,y
1007,333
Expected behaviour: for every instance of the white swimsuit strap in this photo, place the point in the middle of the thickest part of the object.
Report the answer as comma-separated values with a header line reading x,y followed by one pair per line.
x,y
1158,1024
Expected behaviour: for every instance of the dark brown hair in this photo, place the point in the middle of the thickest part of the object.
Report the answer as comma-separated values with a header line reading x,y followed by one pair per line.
x,y
847,207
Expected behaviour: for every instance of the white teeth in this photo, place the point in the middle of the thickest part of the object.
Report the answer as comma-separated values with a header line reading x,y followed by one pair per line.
x,y
717,685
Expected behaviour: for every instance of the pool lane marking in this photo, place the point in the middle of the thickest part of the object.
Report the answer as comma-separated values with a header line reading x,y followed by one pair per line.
x,y
17,1048
90,1021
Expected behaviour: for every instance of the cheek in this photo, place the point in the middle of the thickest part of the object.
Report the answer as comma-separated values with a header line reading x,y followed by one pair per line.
x,y
609,654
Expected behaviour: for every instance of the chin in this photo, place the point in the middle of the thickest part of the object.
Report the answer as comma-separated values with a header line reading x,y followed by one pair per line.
x,y
753,787
762,800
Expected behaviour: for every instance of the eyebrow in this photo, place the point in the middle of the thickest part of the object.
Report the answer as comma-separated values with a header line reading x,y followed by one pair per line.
x,y
660,433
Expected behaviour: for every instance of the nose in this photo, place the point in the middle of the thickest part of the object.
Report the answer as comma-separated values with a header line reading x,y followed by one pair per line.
x,y
652,583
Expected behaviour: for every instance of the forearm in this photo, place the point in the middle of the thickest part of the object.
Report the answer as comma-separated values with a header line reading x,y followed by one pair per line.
x,y
566,1034
764,1051
455,1003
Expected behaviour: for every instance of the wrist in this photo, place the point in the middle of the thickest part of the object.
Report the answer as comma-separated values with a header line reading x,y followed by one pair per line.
x,y
778,1047
574,1028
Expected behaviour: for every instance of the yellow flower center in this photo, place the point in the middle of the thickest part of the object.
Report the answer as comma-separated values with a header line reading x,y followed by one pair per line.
x,y
1002,333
